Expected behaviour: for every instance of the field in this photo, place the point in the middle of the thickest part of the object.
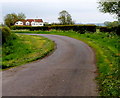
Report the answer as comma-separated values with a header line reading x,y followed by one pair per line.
x,y
24,49
106,47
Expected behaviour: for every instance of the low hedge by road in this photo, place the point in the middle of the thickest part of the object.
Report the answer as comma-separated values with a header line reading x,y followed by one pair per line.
x,y
78,28
115,29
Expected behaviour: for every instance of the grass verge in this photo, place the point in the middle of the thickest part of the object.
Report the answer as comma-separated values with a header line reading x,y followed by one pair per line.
x,y
25,48
106,46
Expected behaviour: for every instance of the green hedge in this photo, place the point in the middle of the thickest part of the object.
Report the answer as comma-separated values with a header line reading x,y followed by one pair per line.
x,y
110,29
85,28
116,29
44,28
78,28
105,29
29,28
6,34
20,27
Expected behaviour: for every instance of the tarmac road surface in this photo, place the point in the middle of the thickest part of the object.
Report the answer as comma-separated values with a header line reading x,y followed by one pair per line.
x,y
68,71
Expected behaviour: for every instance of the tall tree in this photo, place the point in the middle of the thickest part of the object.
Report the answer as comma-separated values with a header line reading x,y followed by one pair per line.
x,y
10,19
65,18
21,16
106,6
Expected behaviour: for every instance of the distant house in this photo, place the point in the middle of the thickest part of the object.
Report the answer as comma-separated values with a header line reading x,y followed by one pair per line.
x,y
30,22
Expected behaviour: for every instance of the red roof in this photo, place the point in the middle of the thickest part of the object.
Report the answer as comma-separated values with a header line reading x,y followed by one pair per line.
x,y
35,20
31,20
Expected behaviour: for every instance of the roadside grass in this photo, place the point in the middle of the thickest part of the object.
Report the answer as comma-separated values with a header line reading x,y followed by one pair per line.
x,y
25,48
106,47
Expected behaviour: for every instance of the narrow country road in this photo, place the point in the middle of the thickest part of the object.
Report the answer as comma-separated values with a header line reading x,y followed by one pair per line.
x,y
68,71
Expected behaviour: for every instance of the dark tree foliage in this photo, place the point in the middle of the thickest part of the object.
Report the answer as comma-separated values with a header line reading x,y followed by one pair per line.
x,y
10,19
106,6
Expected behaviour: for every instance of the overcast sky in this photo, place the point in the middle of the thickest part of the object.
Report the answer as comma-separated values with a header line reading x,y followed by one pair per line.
x,y
82,11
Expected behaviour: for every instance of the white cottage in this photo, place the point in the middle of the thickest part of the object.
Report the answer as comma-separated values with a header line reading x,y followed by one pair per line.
x,y
30,22
19,23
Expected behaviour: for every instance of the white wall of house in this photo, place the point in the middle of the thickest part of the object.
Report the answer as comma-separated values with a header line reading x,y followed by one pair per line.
x,y
37,24
27,23
19,23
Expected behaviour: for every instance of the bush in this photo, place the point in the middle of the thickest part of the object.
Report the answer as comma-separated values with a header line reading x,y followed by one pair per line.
x,y
85,28
114,29
78,28
62,27
105,29
43,28
20,27
0,36
5,34
29,28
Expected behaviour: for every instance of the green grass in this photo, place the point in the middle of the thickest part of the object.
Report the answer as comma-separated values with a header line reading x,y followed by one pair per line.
x,y
25,48
106,47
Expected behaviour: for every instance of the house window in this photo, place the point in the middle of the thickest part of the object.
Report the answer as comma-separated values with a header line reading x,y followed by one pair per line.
x,y
40,24
27,23
33,23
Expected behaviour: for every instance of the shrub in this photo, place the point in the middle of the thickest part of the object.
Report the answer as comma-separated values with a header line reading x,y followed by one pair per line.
x,y
20,27
79,28
43,28
62,27
85,28
29,28
0,36
114,29
105,29
5,34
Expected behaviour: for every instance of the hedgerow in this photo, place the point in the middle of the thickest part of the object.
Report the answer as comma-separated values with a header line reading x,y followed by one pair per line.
x,y
78,28
115,29
6,34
